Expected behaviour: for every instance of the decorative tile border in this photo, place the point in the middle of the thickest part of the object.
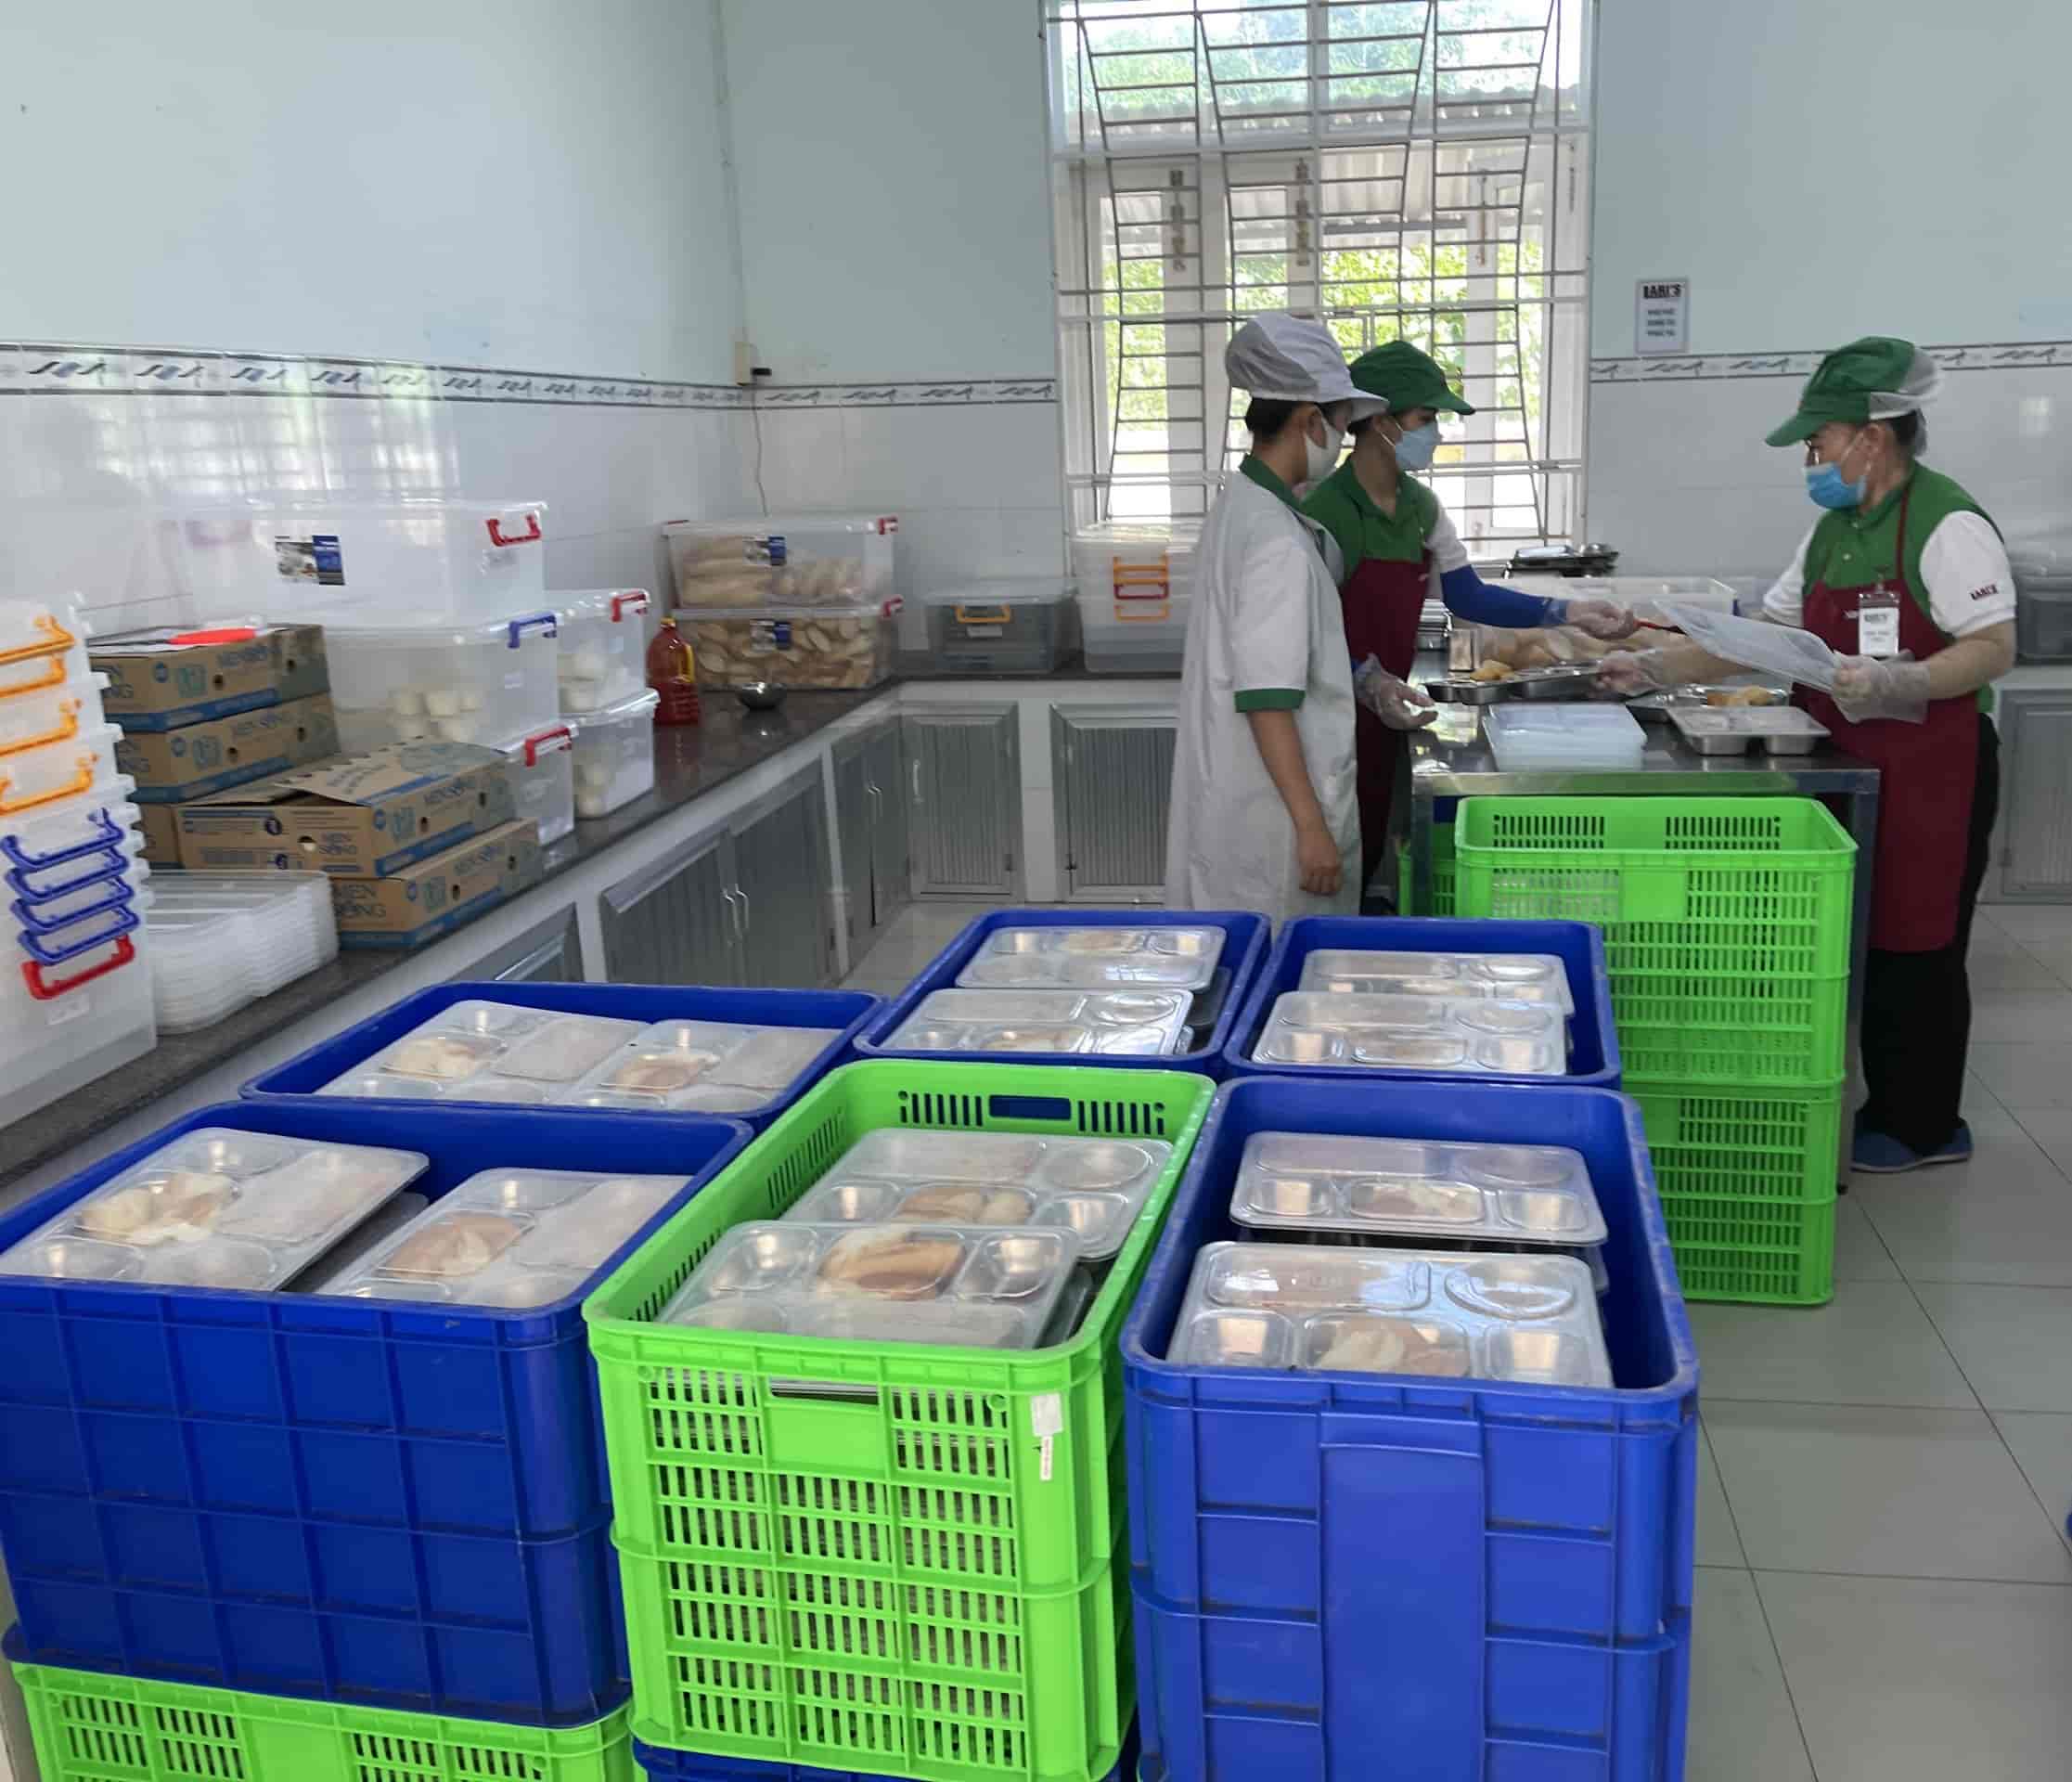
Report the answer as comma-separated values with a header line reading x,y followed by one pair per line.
x,y
1705,366
42,369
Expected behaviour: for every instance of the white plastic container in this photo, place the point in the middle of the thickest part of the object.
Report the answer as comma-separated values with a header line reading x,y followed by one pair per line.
x,y
783,559
1554,736
220,940
81,840
64,1025
614,755
43,649
1136,583
47,717
604,646
491,682
798,646
1017,627
543,780
42,776
367,560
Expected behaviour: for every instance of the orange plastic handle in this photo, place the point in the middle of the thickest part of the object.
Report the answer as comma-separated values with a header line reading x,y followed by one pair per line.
x,y
56,643
45,989
67,728
53,674
81,782
980,615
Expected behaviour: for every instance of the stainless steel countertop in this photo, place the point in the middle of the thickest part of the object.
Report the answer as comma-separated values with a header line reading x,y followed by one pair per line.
x,y
1440,770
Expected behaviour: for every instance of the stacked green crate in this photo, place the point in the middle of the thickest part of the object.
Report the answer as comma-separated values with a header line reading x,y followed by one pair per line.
x,y
1726,927
888,1557
1442,876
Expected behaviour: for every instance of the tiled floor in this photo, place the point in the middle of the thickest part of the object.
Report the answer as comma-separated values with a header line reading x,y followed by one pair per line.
x,y
1885,1585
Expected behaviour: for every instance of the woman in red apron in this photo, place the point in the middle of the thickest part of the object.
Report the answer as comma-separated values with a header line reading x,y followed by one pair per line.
x,y
1902,564
1400,549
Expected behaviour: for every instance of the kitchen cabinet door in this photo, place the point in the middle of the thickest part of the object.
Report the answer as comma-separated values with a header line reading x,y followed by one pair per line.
x,y
549,953
676,920
782,881
2032,859
891,874
1112,769
855,809
964,781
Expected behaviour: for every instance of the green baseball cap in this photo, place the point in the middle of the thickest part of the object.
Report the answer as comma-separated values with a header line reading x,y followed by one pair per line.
x,y
1843,384
1405,377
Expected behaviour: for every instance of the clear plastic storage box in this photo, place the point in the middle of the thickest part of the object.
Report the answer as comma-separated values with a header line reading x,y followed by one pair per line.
x,y
543,780
796,646
37,776
217,1209
1323,1187
1527,737
1132,1022
491,682
1511,977
1524,1320
603,660
1426,1034
1020,627
1093,1188
510,1238
614,755
969,1287
1094,958
220,940
783,559
1135,585
2043,604
43,650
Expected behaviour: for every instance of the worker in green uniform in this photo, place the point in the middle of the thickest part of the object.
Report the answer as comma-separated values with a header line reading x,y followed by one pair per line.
x,y
1905,578
1397,547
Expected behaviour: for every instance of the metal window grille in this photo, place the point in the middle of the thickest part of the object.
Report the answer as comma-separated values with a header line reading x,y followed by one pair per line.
x,y
1403,169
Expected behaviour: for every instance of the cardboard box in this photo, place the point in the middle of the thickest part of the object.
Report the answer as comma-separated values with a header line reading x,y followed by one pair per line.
x,y
160,826
365,816
155,684
174,767
423,902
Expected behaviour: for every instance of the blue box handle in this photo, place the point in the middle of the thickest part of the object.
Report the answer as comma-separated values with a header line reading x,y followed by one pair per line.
x,y
104,861
544,623
25,908
110,836
126,924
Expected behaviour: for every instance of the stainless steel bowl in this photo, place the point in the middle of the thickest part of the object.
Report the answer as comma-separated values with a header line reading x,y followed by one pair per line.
x,y
760,695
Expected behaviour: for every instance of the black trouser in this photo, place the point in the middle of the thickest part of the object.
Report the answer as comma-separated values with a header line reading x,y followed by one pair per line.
x,y
1917,1006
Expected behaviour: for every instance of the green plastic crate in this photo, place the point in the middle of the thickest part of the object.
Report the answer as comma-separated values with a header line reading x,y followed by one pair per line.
x,y
889,1558
1778,1030
93,1726
1442,875
1748,1176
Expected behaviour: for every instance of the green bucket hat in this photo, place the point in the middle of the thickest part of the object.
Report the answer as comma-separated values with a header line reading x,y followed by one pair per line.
x,y
1405,377
1869,379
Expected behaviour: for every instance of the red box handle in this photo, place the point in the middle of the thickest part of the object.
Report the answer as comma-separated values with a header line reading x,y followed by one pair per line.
x,y
635,600
46,990
548,742
529,537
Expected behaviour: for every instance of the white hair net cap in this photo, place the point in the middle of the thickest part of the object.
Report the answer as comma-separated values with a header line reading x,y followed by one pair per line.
x,y
1291,359
1921,386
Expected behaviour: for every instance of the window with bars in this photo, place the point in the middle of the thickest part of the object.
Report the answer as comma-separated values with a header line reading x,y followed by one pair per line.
x,y
1402,169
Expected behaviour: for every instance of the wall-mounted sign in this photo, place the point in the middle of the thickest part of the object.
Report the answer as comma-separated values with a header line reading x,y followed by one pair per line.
x,y
1662,316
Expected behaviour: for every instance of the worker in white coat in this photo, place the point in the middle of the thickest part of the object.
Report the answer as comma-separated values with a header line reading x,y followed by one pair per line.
x,y
1265,813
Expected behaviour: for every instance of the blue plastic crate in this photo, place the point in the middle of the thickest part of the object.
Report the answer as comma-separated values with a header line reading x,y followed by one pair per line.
x,y
848,1011
316,1482
689,1766
1244,946
1593,1055
468,1625
1329,1566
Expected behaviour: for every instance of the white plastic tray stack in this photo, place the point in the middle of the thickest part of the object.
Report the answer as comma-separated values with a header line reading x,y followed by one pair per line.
x,y
219,941
75,994
1551,737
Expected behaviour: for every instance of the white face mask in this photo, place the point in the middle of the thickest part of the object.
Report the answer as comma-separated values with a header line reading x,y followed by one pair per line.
x,y
1324,459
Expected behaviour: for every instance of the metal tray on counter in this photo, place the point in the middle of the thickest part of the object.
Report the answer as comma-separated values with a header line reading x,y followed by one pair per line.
x,y
1781,729
1555,680
1463,691
1654,708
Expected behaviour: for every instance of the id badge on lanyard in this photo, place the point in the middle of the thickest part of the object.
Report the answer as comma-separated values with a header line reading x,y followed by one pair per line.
x,y
1877,622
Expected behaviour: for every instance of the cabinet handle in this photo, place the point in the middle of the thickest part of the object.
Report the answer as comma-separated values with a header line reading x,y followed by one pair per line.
x,y
748,913
915,766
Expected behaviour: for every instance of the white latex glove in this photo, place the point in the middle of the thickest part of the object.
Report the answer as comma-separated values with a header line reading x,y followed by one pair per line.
x,y
1635,671
1395,703
1867,687
1604,619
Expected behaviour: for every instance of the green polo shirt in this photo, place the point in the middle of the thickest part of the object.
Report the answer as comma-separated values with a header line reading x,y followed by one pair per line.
x,y
1342,506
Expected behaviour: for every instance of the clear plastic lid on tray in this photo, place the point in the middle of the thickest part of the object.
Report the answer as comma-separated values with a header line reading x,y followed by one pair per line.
x,y
1128,1023
1093,959
1093,1188
1528,1320
882,1283
1362,1032
1294,1183
217,1207
706,1067
1511,977
476,1043
508,1239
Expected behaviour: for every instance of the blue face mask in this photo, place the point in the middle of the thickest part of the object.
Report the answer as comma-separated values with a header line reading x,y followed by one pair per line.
x,y
1828,487
1414,450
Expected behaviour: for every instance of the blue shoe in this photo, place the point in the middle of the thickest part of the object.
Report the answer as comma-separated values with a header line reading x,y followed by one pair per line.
x,y
1879,1153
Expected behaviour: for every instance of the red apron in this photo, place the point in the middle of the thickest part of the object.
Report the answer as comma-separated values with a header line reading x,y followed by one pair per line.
x,y
1381,603
1927,773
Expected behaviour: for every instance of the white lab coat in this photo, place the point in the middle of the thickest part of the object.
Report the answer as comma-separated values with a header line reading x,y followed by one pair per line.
x,y
1265,616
